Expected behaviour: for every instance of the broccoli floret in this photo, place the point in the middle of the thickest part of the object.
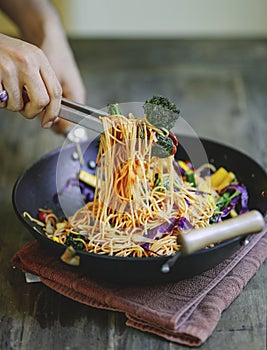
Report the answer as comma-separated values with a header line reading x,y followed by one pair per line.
x,y
113,108
164,147
161,112
75,240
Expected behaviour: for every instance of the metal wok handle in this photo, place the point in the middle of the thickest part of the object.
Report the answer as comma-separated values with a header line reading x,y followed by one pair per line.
x,y
196,239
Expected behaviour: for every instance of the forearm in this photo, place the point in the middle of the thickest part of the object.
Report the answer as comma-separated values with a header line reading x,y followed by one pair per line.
x,y
40,25
34,18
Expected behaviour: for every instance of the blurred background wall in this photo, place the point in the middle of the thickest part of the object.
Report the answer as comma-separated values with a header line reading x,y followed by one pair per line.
x,y
159,19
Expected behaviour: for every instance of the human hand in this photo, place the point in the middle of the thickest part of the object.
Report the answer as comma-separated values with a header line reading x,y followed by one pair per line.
x,y
50,72
25,67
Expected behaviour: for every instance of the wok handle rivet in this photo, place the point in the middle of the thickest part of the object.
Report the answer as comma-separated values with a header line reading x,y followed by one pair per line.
x,y
165,268
75,156
91,164
245,241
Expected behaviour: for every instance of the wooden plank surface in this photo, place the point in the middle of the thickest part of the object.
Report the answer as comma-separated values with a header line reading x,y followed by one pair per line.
x,y
220,87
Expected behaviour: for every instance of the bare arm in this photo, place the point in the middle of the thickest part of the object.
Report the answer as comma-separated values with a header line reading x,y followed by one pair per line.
x,y
31,17
40,25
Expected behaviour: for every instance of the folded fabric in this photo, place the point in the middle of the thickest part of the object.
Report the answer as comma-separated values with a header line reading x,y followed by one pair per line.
x,y
184,312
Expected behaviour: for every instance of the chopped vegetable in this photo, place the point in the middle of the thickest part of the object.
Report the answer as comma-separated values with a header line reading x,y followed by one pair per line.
x,y
162,229
221,179
87,178
183,165
244,196
173,137
188,172
75,240
226,181
225,204
55,239
190,177
184,224
114,109
42,215
164,147
71,182
87,189
157,180
161,112
233,213
87,192
61,225
70,257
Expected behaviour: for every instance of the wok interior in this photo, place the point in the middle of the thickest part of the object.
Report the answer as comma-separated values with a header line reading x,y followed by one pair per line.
x,y
37,187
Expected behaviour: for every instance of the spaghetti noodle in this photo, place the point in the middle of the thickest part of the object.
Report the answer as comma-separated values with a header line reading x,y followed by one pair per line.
x,y
141,202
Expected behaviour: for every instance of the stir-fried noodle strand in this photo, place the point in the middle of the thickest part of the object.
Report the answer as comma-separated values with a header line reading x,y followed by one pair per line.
x,y
139,199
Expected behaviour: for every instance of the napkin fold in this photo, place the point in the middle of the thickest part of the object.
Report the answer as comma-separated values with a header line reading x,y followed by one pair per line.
x,y
184,312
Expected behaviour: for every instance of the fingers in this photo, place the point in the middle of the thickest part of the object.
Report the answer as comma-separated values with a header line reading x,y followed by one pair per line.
x,y
54,90
30,82
46,102
44,94
37,98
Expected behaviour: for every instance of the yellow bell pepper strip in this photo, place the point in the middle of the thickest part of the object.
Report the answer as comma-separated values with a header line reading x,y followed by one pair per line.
x,y
233,213
183,165
218,177
56,239
87,178
61,225
226,181
221,179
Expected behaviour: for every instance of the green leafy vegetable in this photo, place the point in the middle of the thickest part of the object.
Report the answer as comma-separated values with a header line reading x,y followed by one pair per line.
x,y
164,147
223,203
161,112
113,108
190,177
157,180
75,240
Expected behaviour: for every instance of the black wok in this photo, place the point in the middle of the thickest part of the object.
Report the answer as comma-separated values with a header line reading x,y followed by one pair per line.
x,y
37,187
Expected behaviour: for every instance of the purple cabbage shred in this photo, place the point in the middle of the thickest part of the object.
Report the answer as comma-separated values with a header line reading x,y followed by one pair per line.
x,y
184,224
87,192
160,230
244,197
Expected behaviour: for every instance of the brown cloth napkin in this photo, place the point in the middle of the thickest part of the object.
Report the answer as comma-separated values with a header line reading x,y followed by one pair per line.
x,y
184,312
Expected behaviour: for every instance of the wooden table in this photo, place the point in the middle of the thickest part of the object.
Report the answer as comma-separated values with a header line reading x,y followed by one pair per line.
x,y
221,89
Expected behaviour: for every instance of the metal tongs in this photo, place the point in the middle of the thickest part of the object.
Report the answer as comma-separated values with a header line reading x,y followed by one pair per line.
x,y
83,115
